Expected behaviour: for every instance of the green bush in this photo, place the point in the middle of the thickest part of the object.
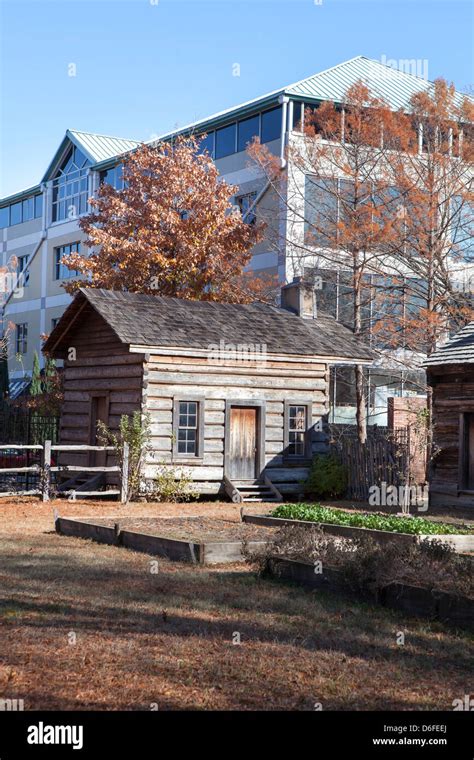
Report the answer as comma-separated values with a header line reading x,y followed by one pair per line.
x,y
319,514
327,477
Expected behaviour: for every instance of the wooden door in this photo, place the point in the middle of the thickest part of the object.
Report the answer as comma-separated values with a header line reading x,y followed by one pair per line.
x,y
243,443
99,411
469,461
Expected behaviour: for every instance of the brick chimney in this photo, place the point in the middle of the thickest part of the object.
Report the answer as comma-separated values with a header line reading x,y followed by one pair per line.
x,y
300,298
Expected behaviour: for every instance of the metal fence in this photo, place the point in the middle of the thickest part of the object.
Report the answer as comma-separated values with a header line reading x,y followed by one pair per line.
x,y
27,427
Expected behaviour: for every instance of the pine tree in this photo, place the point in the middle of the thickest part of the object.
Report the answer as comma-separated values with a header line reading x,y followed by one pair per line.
x,y
36,388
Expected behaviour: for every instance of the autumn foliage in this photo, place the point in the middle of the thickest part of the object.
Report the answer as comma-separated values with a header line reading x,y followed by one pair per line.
x,y
172,230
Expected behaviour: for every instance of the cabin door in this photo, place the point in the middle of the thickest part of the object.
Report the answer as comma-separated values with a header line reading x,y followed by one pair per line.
x,y
469,461
243,443
99,412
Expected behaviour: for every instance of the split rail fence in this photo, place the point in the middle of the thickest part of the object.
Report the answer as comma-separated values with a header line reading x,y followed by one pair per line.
x,y
44,469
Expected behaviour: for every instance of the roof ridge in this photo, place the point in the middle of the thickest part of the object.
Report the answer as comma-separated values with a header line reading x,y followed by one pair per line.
x,y
99,134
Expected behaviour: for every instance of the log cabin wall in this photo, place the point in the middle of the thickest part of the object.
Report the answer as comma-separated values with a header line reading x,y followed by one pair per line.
x,y
103,369
169,377
453,400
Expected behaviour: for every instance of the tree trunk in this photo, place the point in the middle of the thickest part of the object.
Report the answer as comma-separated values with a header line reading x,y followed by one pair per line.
x,y
360,403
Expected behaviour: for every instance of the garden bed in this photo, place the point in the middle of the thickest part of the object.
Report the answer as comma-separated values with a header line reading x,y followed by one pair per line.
x,y
447,607
403,530
192,539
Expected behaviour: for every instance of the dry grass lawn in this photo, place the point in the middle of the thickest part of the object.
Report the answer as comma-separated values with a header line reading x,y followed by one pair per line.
x,y
166,638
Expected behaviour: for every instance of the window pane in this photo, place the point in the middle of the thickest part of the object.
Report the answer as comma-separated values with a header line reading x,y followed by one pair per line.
x,y
297,116
38,205
28,209
271,125
320,211
4,216
225,141
248,129
207,144
15,213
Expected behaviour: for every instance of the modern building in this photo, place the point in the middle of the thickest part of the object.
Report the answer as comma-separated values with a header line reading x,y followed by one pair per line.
x,y
39,226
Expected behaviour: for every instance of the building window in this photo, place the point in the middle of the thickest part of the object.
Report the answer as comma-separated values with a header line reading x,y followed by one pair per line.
x,y
188,427
296,430
206,144
225,141
271,125
22,211
247,130
22,338
113,176
61,271
15,213
22,273
244,202
70,191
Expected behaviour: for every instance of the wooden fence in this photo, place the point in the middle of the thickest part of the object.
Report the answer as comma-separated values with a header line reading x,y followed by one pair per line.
x,y
386,457
44,468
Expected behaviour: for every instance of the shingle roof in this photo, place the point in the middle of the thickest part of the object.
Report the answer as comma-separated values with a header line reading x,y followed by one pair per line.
x,y
458,350
146,320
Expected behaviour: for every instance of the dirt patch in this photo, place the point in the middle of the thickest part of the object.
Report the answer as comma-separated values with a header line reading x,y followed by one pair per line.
x,y
196,529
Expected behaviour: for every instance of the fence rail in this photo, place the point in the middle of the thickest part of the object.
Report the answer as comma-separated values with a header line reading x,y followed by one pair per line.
x,y
46,468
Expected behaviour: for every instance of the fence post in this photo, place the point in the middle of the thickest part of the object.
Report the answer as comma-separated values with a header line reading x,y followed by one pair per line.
x,y
125,466
47,470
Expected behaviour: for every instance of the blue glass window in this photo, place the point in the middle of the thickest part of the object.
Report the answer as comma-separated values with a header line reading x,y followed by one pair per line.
x,y
61,271
4,216
225,141
248,129
15,213
207,144
38,206
271,125
28,209
70,189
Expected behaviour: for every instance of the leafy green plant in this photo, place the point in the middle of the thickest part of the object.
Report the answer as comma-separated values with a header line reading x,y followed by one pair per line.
x,y
171,484
319,514
327,477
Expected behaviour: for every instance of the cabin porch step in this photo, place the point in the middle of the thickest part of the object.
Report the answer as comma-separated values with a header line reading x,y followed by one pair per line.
x,y
251,491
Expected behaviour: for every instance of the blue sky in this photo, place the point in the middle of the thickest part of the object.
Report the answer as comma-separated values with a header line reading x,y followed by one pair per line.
x,y
146,66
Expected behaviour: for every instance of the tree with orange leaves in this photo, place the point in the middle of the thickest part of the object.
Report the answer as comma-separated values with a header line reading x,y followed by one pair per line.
x,y
365,203
172,230
341,209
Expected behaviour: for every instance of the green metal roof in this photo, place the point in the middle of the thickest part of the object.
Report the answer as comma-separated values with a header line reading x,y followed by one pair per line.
x,y
394,86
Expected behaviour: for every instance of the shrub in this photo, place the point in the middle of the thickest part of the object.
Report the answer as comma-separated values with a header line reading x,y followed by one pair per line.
x,y
364,564
327,477
171,484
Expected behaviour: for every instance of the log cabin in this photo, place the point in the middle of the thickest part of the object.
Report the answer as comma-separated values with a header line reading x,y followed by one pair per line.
x,y
236,394
450,373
